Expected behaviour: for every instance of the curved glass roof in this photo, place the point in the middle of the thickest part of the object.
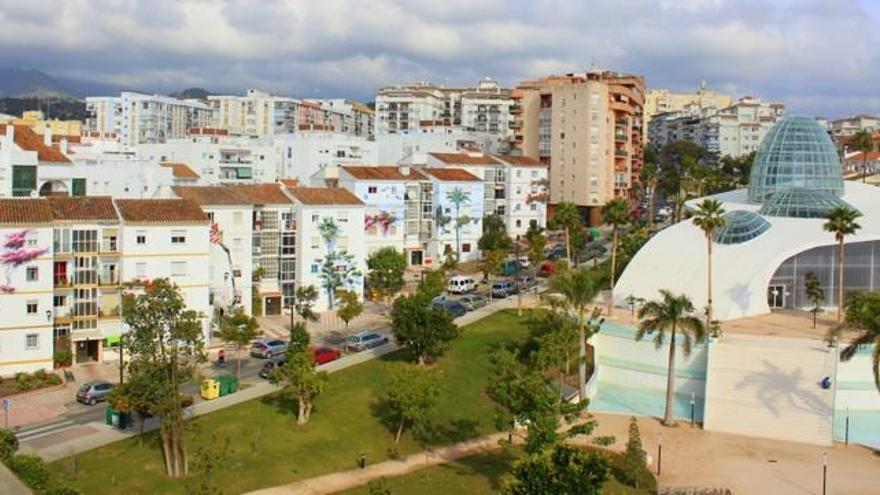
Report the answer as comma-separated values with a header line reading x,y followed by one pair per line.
x,y
797,202
796,152
741,226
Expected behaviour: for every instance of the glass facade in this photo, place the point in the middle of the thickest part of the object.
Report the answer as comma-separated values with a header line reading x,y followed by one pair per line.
x,y
861,272
796,152
741,226
796,202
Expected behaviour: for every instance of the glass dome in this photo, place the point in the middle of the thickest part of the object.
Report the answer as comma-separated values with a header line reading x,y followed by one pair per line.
x,y
796,152
796,202
741,226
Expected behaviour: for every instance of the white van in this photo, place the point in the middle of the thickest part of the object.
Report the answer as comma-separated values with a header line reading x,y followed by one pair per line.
x,y
460,284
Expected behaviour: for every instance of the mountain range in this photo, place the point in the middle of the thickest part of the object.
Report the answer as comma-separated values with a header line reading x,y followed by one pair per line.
x,y
17,82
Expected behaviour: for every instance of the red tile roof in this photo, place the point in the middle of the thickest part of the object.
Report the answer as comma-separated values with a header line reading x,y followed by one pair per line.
x,y
25,211
520,161
465,158
451,174
288,183
241,194
858,156
161,211
28,140
83,208
207,131
325,196
381,172
181,170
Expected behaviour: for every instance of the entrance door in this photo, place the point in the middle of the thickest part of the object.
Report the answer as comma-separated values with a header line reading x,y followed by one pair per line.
x,y
776,296
415,257
273,305
87,351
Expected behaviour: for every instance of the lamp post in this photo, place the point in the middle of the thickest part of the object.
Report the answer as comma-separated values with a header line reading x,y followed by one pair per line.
x,y
846,429
517,282
659,453
693,405
824,471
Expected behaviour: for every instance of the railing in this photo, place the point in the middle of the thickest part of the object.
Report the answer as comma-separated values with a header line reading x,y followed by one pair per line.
x,y
109,312
62,281
108,279
620,152
61,312
110,246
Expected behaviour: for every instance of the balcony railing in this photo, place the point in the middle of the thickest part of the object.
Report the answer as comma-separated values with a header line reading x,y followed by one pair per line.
x,y
620,152
61,312
112,312
108,279
62,281
109,246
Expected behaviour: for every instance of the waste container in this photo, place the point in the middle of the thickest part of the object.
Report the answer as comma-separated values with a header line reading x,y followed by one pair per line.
x,y
210,389
228,384
124,420
108,416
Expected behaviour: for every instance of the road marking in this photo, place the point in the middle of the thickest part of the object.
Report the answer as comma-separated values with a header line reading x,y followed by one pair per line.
x,y
46,429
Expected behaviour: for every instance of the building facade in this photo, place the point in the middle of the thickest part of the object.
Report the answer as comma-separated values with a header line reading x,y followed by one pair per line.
x,y
664,101
851,125
136,118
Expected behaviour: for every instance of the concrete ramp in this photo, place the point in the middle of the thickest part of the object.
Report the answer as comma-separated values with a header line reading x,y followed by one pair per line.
x,y
769,387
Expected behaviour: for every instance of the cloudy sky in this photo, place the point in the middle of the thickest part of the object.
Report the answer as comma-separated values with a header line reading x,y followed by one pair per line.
x,y
821,57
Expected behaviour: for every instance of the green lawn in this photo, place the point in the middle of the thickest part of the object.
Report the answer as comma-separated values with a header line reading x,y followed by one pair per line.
x,y
478,475
266,448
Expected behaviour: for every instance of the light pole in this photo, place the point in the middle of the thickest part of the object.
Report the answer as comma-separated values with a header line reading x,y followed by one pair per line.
x,y
824,471
518,283
846,429
693,404
659,452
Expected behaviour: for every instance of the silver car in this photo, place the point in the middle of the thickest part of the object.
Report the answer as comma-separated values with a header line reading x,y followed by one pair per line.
x,y
364,340
93,392
472,301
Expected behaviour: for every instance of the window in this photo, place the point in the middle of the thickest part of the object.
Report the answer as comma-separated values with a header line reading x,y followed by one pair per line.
x,y
518,223
316,218
32,307
178,237
31,240
178,268
141,237
372,190
33,274
59,301
140,270
31,341
314,268
466,247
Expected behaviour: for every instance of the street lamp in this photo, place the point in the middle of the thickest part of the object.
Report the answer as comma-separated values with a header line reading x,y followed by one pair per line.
x,y
824,471
48,315
693,404
659,452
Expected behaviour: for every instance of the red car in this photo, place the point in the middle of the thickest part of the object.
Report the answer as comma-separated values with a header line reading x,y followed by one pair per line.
x,y
546,269
324,355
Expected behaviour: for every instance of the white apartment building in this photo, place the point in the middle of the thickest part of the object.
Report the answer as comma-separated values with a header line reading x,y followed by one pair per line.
x,y
256,113
851,125
136,118
307,152
458,213
413,147
659,101
349,117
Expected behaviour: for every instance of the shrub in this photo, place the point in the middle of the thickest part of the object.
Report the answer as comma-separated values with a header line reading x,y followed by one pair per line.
x,y
8,444
53,379
31,470
23,382
39,376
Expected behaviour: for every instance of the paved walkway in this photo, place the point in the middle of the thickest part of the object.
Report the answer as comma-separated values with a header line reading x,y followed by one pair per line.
x,y
10,485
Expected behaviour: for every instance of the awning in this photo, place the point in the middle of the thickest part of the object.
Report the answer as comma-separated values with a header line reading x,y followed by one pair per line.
x,y
244,173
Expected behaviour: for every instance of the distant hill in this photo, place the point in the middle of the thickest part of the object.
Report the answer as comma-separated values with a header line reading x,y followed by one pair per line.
x,y
17,82
192,93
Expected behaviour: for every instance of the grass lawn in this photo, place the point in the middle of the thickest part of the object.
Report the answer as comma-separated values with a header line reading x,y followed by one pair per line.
x,y
266,448
480,474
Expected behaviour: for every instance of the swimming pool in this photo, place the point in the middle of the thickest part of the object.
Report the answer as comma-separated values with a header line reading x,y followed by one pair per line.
x,y
643,401
864,427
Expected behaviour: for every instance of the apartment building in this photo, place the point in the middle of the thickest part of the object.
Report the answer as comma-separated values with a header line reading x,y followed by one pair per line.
x,y
458,213
256,113
136,118
36,120
588,128
851,125
305,153
348,117
413,147
659,101
735,130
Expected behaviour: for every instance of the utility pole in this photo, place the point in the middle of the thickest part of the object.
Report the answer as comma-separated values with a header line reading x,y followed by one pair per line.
x,y
519,289
121,362
824,472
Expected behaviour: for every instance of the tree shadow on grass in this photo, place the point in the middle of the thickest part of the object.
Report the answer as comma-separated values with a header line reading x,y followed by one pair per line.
x,y
433,433
494,466
281,403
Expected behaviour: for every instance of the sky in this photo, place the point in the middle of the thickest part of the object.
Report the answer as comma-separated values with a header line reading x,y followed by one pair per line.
x,y
820,57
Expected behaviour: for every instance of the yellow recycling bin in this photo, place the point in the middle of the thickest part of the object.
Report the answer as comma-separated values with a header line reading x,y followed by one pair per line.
x,y
210,389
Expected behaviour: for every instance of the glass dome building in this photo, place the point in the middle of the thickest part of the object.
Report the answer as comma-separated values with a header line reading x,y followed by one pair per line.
x,y
798,153
796,202
741,226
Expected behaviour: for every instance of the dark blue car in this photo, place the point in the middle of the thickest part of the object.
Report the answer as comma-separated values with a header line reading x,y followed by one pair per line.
x,y
456,308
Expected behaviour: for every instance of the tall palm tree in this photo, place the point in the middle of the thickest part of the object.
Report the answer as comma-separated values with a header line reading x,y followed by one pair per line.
x,y
841,221
671,314
566,216
862,315
862,141
616,213
709,218
578,289
650,178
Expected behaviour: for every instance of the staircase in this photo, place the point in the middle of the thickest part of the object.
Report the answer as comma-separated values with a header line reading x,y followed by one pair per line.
x,y
769,387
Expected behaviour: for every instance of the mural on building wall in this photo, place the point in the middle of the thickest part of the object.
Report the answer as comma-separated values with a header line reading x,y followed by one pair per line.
x,y
338,268
540,191
15,254
384,220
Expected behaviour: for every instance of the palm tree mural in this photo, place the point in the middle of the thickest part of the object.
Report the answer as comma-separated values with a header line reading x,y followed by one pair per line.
x,y
459,197
672,315
338,267
841,221
709,218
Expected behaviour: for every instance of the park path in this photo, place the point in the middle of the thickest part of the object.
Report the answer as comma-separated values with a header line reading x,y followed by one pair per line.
x,y
344,480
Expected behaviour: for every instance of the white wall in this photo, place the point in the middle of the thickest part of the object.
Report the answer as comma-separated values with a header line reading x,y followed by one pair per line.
x,y
303,154
235,225
471,232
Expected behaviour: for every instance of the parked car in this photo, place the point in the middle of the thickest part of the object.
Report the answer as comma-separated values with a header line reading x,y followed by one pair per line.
x,y
324,355
503,288
472,301
556,252
546,269
93,392
460,284
456,308
526,282
271,364
364,340
267,348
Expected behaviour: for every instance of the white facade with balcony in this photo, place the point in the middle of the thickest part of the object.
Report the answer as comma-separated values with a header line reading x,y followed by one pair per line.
x,y
136,118
304,154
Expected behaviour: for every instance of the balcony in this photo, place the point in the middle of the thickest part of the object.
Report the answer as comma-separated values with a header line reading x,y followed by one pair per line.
x,y
62,281
108,279
620,136
109,246
620,153
109,313
61,314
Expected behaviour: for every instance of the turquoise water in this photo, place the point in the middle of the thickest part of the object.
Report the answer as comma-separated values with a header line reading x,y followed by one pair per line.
x,y
638,401
864,427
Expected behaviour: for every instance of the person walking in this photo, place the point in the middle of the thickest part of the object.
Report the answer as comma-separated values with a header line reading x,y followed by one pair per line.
x,y
221,358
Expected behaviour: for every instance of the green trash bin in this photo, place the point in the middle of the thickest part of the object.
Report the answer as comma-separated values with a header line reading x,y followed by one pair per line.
x,y
108,416
124,420
233,384
228,384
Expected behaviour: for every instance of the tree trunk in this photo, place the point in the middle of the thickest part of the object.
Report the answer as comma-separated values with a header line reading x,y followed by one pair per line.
x,y
582,357
709,286
840,279
613,269
309,407
814,316
864,166
567,246
422,360
301,413
399,432
237,360
669,414
651,212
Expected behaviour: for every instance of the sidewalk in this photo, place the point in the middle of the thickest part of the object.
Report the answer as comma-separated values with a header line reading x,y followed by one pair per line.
x,y
10,485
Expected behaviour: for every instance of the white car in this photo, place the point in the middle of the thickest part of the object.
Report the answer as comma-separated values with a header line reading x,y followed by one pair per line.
x,y
461,284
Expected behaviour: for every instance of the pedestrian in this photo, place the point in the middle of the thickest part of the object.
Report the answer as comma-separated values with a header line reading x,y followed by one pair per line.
x,y
221,358
362,460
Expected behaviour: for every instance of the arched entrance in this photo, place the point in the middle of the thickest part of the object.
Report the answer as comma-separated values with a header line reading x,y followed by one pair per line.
x,y
54,188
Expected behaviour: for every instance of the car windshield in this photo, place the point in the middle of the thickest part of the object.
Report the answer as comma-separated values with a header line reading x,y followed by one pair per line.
x,y
353,339
85,387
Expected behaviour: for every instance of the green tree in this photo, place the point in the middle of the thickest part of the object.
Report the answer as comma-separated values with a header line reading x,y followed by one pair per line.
x,y
137,395
814,292
494,235
422,328
671,315
386,266
557,336
650,177
863,142
617,214
300,381
567,217
410,397
8,444
709,218
862,316
298,338
304,302
564,470
238,329
450,260
433,284
165,345
491,264
634,457
350,307
841,221
578,289
537,244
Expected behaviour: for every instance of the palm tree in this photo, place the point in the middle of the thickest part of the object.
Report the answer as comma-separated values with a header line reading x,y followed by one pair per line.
x,y
670,314
566,216
841,221
616,213
814,292
650,178
862,315
578,289
709,218
862,141
458,197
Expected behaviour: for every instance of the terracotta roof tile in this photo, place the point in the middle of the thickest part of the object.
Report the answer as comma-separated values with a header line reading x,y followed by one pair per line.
x,y
520,161
25,211
451,174
381,172
83,208
181,170
465,158
288,183
28,140
325,196
241,194
161,211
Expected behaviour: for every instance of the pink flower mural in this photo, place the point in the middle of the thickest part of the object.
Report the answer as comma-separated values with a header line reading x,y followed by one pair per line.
x,y
383,219
16,254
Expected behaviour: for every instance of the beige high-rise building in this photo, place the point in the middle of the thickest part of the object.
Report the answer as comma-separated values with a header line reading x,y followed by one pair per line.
x,y
663,100
588,128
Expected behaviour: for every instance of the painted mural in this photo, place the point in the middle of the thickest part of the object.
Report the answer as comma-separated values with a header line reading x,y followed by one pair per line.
x,y
15,254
